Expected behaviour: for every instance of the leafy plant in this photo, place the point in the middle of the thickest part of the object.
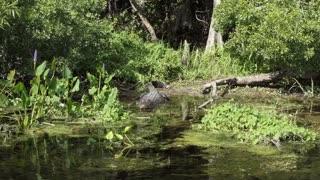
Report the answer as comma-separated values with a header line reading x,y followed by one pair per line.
x,y
46,95
102,99
254,125
122,138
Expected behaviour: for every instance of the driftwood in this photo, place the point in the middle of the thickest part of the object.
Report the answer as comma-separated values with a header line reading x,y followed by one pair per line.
x,y
242,81
238,81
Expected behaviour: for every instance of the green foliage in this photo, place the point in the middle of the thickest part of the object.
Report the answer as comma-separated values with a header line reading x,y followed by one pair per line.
x,y
111,137
47,95
71,30
272,35
74,32
102,100
154,62
254,125
51,96
211,65
8,10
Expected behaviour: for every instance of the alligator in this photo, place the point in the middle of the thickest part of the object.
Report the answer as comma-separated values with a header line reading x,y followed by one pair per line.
x,y
151,99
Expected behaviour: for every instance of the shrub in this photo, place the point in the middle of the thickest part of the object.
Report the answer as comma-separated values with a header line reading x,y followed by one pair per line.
x,y
272,35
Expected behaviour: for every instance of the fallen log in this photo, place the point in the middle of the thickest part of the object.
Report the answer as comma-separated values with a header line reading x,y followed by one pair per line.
x,y
242,81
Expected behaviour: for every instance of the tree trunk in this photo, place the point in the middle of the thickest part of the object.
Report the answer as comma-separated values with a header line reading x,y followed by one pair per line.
x,y
144,20
214,37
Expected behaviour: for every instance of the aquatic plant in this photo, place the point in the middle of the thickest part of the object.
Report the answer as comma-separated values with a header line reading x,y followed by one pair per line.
x,y
122,138
102,102
50,94
253,125
47,94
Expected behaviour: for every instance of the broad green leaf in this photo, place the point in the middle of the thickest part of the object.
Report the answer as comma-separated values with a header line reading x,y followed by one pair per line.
x,y
92,79
53,64
92,90
109,136
100,70
34,90
112,97
45,74
25,121
67,72
76,86
25,99
109,78
119,136
53,84
43,89
10,76
119,155
19,88
127,128
40,69
3,99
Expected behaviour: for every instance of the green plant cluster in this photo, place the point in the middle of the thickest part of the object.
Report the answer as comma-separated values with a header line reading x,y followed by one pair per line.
x,y
50,93
268,35
75,33
213,64
254,125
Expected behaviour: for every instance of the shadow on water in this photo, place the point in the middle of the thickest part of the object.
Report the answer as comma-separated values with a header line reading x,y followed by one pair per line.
x,y
65,158
166,152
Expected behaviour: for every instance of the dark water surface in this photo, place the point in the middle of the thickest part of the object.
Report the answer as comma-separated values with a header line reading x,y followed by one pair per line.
x,y
165,157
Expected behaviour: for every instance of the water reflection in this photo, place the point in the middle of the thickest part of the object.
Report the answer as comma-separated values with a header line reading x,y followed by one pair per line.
x,y
161,157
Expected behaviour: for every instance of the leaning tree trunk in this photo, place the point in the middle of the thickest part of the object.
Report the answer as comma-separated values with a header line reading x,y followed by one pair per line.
x,y
144,20
214,37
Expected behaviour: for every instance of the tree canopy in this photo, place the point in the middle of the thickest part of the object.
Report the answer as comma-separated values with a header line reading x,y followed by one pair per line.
x,y
272,35
259,35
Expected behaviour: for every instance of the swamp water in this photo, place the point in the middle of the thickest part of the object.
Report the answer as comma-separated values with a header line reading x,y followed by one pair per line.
x,y
169,149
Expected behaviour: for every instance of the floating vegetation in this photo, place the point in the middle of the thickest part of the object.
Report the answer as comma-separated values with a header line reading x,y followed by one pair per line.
x,y
248,124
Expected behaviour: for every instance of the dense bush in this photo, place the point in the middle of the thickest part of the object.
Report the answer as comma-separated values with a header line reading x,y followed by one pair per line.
x,y
74,33
254,125
272,35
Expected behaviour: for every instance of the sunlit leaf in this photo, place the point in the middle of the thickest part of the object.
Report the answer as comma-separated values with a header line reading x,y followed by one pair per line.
x,y
53,64
92,79
45,74
119,155
119,136
67,72
10,76
127,128
34,90
92,90
109,136
76,86
112,97
109,78
40,69
43,89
